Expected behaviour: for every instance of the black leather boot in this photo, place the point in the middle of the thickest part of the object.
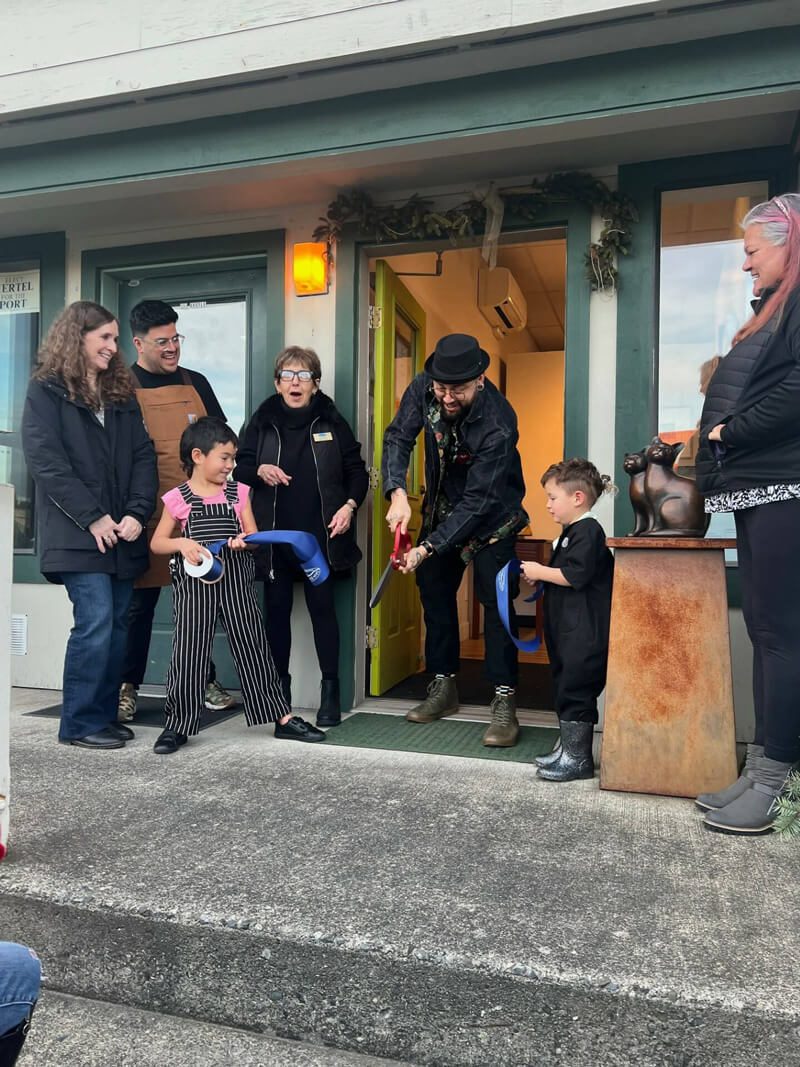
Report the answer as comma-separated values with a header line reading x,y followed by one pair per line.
x,y
286,688
330,712
575,760
11,1043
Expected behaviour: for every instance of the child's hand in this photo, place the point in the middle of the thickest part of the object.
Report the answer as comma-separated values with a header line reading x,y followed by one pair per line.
x,y
192,551
532,573
237,543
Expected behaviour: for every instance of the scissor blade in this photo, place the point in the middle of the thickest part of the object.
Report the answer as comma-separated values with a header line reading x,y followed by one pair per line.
x,y
380,588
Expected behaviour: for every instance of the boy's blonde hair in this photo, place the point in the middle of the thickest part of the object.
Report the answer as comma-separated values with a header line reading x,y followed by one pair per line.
x,y
575,474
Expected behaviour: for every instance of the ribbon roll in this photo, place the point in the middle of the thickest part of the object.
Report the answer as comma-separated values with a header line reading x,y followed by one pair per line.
x,y
305,547
501,585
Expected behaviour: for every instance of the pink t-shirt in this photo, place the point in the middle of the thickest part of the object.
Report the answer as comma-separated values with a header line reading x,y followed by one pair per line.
x,y
179,509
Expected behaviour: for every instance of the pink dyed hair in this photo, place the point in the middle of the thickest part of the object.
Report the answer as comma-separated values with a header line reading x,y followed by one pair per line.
x,y
779,219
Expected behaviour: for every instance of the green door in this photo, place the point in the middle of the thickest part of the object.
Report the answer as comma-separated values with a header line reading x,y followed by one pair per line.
x,y
399,354
223,317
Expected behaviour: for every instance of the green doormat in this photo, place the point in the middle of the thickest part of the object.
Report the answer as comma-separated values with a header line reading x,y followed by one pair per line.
x,y
447,737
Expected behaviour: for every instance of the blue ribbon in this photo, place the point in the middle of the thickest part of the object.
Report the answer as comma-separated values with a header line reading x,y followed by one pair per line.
x,y
305,547
502,588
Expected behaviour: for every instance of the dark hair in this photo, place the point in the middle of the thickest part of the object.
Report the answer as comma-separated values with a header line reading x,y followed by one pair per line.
x,y
574,474
149,313
204,434
61,356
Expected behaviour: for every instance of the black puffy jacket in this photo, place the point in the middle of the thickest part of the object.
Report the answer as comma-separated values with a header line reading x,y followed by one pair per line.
x,y
755,392
340,472
83,470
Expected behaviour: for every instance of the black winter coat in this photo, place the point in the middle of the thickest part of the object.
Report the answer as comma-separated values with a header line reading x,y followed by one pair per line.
x,y
84,470
494,488
340,472
755,392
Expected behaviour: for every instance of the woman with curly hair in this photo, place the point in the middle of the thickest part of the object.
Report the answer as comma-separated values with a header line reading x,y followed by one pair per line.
x,y
94,468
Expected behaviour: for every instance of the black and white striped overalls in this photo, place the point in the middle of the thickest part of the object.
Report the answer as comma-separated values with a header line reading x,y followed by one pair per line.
x,y
196,606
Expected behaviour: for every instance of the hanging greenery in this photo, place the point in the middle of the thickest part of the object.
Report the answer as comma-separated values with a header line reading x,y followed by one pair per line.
x,y
419,219
787,808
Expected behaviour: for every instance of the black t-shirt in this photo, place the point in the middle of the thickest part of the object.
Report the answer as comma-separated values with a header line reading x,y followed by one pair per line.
x,y
147,380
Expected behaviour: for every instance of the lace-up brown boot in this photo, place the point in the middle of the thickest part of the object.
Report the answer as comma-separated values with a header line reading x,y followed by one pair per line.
x,y
503,729
442,699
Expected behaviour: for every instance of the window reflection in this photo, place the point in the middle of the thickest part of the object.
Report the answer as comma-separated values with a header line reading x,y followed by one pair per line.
x,y
216,345
703,300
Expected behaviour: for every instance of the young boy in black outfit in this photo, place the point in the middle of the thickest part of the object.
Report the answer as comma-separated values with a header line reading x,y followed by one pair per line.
x,y
578,611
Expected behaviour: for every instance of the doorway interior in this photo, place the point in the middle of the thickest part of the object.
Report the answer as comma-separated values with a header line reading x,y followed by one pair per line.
x,y
416,300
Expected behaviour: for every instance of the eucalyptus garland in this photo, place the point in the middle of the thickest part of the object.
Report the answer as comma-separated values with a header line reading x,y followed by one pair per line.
x,y
420,219
787,808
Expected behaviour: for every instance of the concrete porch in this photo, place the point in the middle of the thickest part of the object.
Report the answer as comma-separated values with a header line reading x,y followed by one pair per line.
x,y
425,909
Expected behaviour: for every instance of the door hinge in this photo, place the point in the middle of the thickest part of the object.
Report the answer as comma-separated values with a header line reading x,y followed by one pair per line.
x,y
375,317
371,637
374,477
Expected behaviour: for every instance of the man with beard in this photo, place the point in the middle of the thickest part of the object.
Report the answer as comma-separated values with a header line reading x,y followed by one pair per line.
x,y
472,511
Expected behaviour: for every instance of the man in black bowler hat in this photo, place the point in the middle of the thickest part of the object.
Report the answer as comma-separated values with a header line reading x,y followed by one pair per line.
x,y
472,511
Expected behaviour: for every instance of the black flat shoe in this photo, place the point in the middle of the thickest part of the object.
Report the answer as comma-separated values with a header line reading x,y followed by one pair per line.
x,y
297,729
169,741
124,733
102,739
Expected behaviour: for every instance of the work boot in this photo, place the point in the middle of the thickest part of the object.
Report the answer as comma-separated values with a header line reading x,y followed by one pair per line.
x,y
552,756
713,801
503,729
442,699
286,689
575,760
126,708
330,712
216,698
752,812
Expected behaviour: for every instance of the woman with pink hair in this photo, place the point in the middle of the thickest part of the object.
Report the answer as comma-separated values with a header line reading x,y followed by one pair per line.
x,y
749,463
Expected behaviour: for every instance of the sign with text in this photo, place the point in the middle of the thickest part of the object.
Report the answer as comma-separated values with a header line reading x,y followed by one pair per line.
x,y
19,292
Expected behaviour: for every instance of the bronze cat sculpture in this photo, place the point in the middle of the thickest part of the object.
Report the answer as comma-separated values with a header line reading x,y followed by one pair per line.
x,y
665,504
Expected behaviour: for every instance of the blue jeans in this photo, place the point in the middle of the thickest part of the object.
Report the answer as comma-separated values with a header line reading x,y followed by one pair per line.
x,y
20,975
95,651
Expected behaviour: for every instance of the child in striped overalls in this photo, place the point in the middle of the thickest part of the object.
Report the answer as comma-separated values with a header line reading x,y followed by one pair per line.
x,y
206,508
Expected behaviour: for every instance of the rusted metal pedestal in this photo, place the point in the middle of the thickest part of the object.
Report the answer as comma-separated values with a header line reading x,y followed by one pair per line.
x,y
669,725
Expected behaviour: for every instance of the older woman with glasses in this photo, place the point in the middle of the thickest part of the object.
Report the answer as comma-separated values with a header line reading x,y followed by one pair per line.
x,y
305,467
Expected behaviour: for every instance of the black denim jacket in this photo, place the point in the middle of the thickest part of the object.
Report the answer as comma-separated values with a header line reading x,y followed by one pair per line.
x,y
494,488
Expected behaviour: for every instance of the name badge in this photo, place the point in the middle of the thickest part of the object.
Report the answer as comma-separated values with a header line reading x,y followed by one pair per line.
x,y
324,435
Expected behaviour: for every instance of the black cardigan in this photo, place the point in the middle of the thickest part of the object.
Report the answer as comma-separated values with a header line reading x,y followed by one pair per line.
x,y
84,470
755,392
341,473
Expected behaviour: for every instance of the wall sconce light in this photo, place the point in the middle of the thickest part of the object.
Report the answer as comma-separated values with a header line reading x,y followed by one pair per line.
x,y
310,268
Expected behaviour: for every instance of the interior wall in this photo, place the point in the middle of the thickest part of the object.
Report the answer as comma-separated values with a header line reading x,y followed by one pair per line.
x,y
535,386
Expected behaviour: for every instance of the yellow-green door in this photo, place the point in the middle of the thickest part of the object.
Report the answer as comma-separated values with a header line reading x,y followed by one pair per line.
x,y
399,353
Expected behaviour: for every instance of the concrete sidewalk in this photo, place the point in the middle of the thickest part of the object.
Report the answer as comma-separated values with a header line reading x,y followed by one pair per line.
x,y
428,909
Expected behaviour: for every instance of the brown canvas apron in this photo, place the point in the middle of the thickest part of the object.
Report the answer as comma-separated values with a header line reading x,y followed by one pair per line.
x,y
167,411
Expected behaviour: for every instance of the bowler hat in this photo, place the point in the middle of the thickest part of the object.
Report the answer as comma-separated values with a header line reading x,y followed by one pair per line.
x,y
457,358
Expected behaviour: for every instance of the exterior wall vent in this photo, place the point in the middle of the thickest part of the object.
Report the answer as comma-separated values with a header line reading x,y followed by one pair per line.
x,y
19,635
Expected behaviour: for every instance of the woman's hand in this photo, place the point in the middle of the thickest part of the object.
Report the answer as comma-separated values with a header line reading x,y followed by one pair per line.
x,y
128,528
341,520
192,551
272,475
104,532
237,543
716,433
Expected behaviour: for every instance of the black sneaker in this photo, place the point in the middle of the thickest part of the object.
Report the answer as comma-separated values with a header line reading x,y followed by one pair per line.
x,y
169,741
297,729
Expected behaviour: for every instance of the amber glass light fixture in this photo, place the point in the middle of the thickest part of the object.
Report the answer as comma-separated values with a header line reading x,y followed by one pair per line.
x,y
310,268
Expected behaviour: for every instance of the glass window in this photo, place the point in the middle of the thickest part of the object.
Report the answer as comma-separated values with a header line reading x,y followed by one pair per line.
x,y
19,341
703,299
216,345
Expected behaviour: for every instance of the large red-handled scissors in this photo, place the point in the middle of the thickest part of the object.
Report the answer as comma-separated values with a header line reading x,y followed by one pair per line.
x,y
402,543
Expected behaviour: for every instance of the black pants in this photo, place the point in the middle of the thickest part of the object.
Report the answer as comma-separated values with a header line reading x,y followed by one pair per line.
x,y
438,579
767,538
140,629
278,598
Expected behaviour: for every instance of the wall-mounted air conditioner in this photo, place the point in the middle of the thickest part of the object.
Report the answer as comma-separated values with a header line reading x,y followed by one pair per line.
x,y
501,301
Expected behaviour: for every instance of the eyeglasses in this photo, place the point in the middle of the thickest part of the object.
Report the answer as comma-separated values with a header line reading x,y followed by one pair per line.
x,y
457,393
290,375
162,342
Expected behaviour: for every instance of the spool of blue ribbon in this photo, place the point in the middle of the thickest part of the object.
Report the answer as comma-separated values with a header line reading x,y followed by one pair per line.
x,y
501,585
305,547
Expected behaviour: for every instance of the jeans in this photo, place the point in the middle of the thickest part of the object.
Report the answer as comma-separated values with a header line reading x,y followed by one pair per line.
x,y
20,975
95,650
438,579
140,629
